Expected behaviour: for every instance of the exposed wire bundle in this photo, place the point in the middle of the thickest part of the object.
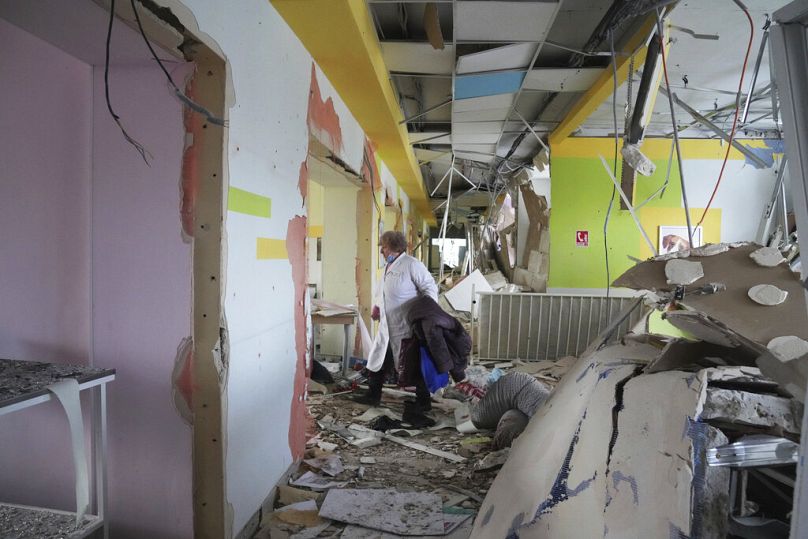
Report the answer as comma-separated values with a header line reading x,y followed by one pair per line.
x,y
188,102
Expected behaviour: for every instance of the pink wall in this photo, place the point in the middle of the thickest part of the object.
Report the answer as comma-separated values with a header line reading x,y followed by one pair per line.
x,y
83,221
142,296
45,152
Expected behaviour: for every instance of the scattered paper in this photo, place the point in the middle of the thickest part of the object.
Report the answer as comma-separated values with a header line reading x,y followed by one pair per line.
x,y
316,482
330,464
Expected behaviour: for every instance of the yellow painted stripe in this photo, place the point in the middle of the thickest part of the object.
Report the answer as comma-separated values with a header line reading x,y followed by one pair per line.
x,y
653,148
604,86
316,231
270,249
241,201
341,37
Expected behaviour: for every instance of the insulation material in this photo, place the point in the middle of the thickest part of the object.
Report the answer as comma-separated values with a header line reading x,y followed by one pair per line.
x,y
732,306
556,470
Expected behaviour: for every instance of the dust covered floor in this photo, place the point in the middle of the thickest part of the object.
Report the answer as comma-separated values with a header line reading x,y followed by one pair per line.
x,y
449,471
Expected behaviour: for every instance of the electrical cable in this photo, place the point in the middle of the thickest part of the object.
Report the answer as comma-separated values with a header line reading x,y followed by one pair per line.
x,y
144,153
661,37
179,93
737,110
616,143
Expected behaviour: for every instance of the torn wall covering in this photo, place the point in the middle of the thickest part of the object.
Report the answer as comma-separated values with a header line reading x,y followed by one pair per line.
x,y
278,99
581,189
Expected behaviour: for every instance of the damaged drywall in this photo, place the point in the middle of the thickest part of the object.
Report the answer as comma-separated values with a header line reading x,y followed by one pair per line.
x,y
322,118
182,380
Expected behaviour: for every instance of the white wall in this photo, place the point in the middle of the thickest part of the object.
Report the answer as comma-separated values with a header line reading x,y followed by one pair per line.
x,y
45,149
94,270
742,195
270,77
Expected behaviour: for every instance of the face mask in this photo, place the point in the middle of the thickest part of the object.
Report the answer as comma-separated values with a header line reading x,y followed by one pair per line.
x,y
390,258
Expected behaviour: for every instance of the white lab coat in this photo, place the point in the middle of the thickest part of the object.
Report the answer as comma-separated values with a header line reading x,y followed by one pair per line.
x,y
404,279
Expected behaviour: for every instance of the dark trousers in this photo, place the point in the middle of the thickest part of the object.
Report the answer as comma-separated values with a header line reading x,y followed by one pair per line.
x,y
376,379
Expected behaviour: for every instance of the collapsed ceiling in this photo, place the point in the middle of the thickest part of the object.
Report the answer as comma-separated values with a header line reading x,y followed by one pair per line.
x,y
481,81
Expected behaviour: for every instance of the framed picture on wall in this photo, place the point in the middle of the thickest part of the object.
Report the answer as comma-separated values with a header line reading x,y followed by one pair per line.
x,y
674,238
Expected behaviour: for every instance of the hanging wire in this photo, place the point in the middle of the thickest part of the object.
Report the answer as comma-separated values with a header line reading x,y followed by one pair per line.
x,y
144,153
614,166
179,93
737,110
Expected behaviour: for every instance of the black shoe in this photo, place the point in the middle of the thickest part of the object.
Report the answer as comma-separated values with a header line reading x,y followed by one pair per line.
x,y
415,416
367,398
421,404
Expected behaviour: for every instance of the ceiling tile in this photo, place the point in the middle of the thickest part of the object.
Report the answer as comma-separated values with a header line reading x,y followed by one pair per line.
x,y
507,82
474,138
504,21
406,57
483,103
562,79
516,56
460,128
480,115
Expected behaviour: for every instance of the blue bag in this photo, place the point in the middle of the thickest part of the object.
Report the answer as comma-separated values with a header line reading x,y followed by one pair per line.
x,y
434,380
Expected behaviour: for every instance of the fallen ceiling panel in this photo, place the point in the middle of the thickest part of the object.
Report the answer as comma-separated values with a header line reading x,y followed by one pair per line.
x,y
517,56
562,79
503,21
406,57
488,84
490,102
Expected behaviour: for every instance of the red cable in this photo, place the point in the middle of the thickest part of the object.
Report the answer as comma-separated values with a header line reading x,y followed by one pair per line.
x,y
737,109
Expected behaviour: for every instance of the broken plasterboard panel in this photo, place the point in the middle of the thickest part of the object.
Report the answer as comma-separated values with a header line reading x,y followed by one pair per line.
x,y
651,468
556,468
732,306
460,298
516,56
404,513
685,355
744,408
712,331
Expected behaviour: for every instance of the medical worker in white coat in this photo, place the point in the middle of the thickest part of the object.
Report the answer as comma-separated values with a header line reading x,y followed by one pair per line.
x,y
405,278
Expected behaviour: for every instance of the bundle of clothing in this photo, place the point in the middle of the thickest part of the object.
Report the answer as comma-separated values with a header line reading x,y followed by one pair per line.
x,y
438,334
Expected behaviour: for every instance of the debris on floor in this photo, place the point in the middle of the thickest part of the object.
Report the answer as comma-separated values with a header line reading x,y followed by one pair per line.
x,y
692,437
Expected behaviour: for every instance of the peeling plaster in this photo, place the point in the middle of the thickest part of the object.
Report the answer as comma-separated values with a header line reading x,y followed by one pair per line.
x,y
370,168
322,118
182,381
303,182
296,247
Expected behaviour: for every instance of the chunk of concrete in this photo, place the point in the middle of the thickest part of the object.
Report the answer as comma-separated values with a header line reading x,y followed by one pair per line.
x,y
768,257
767,294
683,272
727,406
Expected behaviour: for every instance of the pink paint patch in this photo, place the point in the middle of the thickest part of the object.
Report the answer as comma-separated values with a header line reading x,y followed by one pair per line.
x,y
183,379
296,247
303,181
322,116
